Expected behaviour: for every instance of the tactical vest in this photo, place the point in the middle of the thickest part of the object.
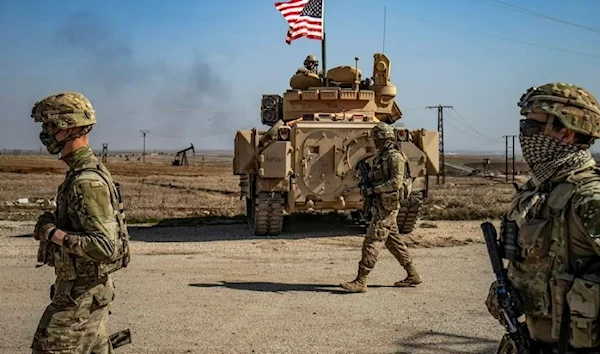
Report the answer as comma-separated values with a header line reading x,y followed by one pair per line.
x,y
552,290
382,173
69,266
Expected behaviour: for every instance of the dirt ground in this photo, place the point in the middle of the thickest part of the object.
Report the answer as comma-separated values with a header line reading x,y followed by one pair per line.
x,y
205,284
219,289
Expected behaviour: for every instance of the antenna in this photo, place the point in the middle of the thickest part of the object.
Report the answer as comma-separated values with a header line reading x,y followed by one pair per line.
x,y
384,16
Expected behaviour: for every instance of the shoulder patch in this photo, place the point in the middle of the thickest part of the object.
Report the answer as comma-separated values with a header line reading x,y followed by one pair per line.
x,y
94,198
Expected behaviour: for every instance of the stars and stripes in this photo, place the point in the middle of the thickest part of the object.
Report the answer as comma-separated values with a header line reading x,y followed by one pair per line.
x,y
305,18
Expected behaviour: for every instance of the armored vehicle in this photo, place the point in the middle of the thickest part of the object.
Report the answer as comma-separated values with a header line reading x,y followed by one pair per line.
x,y
317,132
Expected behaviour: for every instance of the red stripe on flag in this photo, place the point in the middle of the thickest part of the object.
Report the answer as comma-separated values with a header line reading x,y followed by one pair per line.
x,y
304,17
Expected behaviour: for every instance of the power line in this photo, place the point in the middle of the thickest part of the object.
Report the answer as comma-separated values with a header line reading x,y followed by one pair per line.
x,y
502,38
461,129
466,124
538,14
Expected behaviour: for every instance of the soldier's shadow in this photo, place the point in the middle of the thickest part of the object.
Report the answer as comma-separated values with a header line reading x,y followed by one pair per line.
x,y
439,342
279,288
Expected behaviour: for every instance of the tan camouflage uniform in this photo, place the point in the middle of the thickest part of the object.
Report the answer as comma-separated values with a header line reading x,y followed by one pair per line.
x,y
558,217
89,211
388,176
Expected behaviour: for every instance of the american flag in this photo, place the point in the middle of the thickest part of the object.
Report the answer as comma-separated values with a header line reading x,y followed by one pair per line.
x,y
305,18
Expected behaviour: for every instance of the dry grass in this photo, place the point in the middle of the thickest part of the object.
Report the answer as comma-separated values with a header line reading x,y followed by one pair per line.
x,y
467,198
157,191
152,191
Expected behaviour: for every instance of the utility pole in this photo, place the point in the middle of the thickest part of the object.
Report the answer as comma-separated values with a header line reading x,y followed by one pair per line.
x,y
506,158
144,132
440,110
104,152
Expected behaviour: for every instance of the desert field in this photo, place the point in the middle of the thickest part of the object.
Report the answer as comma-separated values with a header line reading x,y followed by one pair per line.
x,y
201,282
208,192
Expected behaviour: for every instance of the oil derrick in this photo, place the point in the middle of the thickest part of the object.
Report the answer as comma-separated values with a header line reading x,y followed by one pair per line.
x,y
104,152
181,157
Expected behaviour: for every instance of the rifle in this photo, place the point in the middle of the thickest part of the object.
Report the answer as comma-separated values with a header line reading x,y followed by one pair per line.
x,y
516,331
121,338
364,183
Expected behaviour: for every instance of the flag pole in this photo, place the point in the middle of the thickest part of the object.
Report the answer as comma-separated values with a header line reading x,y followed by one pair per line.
x,y
383,50
323,57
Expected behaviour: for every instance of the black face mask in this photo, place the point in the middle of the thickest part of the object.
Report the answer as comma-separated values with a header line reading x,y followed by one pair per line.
x,y
52,145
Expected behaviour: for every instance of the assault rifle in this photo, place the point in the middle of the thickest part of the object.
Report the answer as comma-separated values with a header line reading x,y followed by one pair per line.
x,y
365,183
516,331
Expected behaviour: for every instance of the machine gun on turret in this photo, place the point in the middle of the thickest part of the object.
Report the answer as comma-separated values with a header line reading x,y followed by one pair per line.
x,y
181,157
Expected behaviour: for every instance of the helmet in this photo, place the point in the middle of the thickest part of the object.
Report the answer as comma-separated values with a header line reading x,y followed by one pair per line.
x,y
66,110
575,107
383,131
311,59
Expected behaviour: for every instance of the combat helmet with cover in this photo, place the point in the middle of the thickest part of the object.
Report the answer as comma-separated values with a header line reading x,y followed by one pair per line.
x,y
311,59
383,131
575,107
64,110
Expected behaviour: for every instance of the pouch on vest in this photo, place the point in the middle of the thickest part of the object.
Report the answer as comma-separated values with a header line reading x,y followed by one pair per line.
x,y
390,200
533,241
64,266
378,173
584,302
103,296
530,277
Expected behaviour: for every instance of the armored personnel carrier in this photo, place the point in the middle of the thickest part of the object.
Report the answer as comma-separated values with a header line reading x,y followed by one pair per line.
x,y
315,134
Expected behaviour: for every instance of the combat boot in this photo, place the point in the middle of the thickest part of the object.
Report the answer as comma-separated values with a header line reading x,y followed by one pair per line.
x,y
358,285
411,279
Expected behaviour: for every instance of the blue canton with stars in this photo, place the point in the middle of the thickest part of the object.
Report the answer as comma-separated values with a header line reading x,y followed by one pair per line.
x,y
312,9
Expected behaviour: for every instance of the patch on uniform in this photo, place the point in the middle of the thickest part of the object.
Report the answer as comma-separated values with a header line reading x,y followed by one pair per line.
x,y
96,199
587,205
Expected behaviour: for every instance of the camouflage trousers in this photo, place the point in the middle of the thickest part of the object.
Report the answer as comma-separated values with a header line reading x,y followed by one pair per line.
x,y
383,230
76,321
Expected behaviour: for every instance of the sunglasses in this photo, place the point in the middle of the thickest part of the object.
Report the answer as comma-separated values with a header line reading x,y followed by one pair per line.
x,y
529,127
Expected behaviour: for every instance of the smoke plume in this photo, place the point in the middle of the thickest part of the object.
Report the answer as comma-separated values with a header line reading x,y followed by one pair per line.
x,y
155,88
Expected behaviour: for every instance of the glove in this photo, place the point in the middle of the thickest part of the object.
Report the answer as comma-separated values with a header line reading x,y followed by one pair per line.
x,y
491,302
45,222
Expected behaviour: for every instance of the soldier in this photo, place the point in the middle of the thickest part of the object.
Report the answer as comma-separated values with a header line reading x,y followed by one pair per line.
x,y
310,65
388,177
85,239
551,233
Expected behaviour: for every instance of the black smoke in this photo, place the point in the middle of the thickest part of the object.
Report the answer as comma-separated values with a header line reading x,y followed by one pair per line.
x,y
108,63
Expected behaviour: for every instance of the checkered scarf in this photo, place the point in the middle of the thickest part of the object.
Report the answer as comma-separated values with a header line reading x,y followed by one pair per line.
x,y
548,157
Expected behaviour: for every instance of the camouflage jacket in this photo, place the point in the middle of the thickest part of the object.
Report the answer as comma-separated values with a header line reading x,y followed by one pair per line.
x,y
388,170
88,210
559,240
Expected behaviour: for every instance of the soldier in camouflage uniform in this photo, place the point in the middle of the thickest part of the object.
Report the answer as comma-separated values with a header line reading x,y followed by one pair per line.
x,y
551,232
388,177
85,239
311,64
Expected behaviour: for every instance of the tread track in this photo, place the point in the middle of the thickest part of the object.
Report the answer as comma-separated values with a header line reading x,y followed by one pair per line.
x,y
408,214
266,213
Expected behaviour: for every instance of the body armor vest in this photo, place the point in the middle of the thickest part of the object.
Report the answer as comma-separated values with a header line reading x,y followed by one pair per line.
x,y
381,171
553,284
69,266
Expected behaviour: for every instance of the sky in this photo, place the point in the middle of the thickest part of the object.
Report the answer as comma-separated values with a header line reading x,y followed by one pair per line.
x,y
193,71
